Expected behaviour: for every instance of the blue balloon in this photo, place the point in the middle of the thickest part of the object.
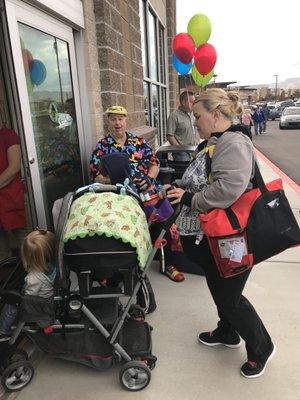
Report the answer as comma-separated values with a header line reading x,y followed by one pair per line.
x,y
182,69
38,72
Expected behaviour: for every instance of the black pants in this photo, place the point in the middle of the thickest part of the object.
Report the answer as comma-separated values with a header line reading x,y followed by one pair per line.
x,y
236,313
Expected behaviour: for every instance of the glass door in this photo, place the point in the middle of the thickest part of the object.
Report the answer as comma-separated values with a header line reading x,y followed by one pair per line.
x,y
45,66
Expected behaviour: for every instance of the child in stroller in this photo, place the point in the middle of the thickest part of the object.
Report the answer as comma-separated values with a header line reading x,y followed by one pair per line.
x,y
38,260
91,324
116,168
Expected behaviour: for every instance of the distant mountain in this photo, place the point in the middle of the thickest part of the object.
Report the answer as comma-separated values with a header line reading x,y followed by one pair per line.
x,y
290,83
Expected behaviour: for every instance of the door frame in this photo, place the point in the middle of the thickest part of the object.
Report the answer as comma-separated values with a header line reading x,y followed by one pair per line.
x,y
16,12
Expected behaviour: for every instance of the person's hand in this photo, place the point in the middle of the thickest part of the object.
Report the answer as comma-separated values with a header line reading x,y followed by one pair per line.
x,y
143,184
165,188
175,195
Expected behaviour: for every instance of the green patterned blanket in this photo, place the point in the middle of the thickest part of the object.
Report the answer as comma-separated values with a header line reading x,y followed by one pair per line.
x,y
113,215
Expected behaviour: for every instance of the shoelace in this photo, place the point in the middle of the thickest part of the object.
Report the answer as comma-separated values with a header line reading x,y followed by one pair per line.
x,y
252,363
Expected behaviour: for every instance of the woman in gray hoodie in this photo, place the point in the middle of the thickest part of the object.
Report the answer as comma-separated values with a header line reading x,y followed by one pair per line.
x,y
219,185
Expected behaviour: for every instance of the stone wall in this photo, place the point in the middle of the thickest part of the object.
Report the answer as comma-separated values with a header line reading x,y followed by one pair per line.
x,y
119,56
92,72
172,74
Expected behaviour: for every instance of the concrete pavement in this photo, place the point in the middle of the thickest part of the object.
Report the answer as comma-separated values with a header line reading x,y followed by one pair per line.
x,y
186,369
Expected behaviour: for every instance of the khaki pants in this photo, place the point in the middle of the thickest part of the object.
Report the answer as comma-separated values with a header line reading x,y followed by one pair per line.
x,y
11,240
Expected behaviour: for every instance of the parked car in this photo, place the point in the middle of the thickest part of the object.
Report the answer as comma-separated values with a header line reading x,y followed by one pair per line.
x,y
290,118
279,107
276,112
297,104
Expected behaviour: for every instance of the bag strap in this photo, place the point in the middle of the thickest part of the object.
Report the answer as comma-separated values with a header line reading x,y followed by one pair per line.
x,y
257,180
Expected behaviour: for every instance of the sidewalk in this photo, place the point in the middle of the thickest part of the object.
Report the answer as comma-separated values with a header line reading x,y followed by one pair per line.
x,y
187,370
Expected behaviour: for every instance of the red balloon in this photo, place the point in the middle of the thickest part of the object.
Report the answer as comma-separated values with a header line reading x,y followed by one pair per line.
x,y
205,58
27,58
183,47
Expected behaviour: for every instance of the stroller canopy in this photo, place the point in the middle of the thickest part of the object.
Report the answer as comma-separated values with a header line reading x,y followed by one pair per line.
x,y
113,215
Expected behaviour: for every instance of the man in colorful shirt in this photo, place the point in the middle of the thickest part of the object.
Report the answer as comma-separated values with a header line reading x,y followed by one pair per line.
x,y
143,161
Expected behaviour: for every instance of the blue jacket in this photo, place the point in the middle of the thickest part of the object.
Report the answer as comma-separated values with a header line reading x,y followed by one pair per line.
x,y
258,116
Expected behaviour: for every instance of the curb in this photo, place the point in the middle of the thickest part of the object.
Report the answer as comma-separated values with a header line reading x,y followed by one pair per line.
x,y
278,171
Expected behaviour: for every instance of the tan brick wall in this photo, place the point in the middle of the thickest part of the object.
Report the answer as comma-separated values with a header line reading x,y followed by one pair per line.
x,y
118,42
171,32
92,70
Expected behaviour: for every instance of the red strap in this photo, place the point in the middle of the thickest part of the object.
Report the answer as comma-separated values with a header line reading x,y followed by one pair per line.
x,y
160,243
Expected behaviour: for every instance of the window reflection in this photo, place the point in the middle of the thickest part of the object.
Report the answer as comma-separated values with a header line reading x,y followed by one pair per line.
x,y
155,106
153,33
143,37
146,103
152,44
162,55
49,84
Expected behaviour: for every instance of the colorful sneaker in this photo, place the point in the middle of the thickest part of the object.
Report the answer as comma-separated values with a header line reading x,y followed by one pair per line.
x,y
172,273
215,338
254,369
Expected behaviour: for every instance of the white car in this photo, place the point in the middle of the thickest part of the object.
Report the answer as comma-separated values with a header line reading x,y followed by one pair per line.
x,y
290,118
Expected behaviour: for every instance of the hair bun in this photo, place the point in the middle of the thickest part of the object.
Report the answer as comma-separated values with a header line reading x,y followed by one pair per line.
x,y
233,96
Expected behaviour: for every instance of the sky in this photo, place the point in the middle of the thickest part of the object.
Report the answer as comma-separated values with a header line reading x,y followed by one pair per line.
x,y
254,40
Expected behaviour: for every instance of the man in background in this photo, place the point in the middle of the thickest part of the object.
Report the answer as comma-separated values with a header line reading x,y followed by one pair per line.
x,y
180,126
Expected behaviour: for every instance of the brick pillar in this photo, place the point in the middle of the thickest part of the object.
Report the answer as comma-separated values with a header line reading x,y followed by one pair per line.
x,y
171,32
120,57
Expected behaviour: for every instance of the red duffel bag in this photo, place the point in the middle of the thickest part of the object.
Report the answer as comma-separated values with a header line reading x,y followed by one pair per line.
x,y
257,226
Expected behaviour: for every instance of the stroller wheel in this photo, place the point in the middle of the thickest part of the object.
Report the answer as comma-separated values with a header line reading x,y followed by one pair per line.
x,y
17,375
135,375
13,355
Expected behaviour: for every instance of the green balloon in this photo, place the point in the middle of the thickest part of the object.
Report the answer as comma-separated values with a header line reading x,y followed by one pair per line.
x,y
199,27
201,80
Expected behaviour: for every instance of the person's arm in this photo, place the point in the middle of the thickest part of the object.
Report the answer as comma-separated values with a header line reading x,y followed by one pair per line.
x,y
153,171
172,139
171,130
33,284
14,165
95,163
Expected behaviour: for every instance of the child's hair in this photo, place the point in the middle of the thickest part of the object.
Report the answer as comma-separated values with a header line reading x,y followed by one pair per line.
x,y
38,250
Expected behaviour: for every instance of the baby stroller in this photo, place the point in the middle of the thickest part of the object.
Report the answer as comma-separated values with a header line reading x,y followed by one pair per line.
x,y
170,170
89,324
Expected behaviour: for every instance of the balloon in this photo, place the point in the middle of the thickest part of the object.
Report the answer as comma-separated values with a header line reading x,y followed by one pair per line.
x,y
38,72
183,47
182,69
199,27
27,59
201,80
205,58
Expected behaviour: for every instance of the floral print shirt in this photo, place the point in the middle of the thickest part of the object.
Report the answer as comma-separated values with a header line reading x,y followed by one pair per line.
x,y
139,152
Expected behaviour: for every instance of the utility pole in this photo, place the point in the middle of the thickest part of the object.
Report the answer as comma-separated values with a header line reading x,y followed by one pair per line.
x,y
215,77
276,83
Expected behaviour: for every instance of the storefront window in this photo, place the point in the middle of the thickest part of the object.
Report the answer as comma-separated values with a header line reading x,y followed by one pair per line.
x,y
153,56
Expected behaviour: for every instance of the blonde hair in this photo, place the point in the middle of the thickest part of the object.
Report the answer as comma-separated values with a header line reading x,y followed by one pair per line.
x,y
38,250
227,102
